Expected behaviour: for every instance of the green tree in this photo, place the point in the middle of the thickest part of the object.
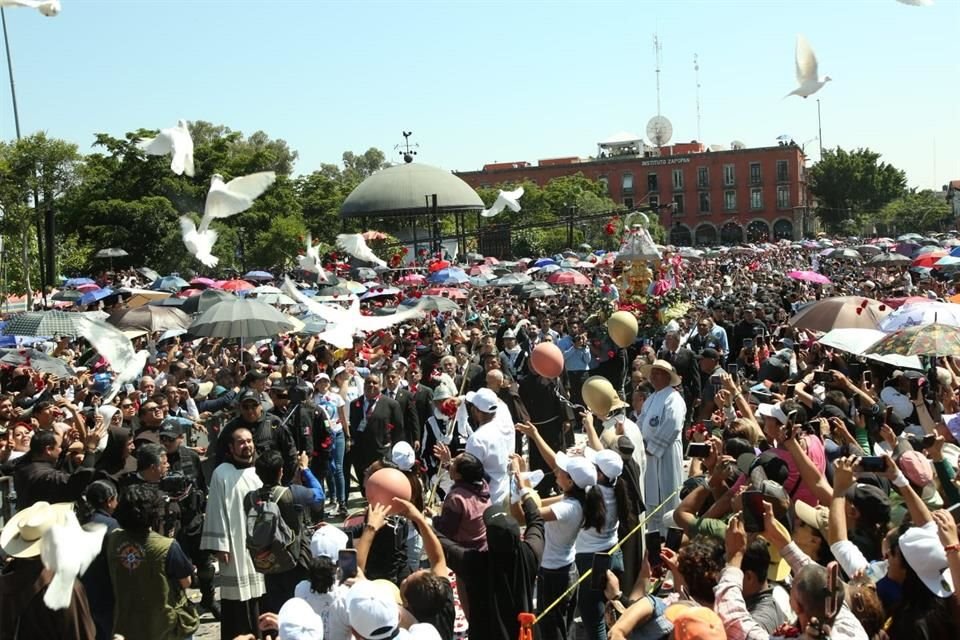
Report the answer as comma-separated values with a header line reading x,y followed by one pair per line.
x,y
322,192
35,172
852,185
917,211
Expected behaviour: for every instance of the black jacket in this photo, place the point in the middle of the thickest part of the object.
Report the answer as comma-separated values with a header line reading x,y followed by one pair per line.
x,y
36,480
408,409
268,434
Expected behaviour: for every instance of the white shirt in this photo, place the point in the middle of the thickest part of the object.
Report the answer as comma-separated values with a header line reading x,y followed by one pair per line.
x,y
492,445
560,535
321,603
331,402
588,540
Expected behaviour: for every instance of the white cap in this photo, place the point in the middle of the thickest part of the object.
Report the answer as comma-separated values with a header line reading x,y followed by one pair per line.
x,y
485,400
509,333
581,471
372,611
327,542
608,461
923,551
422,631
403,456
298,621
338,371
772,411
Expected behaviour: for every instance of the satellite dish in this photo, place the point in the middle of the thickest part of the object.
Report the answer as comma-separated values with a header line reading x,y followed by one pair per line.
x,y
659,130
737,144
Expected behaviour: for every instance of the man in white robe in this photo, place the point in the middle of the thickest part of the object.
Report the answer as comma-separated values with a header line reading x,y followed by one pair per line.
x,y
224,533
661,423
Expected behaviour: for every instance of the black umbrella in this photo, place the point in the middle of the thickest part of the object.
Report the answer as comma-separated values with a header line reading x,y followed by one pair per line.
x,y
243,318
205,300
172,301
38,361
67,295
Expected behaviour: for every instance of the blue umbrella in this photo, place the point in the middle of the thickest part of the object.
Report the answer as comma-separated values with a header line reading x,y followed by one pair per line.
x,y
542,262
169,283
95,296
258,275
550,268
451,275
955,252
73,283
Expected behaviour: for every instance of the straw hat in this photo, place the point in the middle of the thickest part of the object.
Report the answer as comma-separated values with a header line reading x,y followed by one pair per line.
x,y
22,535
662,365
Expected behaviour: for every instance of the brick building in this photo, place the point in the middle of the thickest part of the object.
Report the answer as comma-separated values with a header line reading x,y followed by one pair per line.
x,y
704,196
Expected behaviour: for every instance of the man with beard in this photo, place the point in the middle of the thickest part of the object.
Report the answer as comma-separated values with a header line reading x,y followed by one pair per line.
x,y
224,533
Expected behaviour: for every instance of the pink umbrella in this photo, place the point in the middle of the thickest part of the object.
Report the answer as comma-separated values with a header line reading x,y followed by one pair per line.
x,y
200,281
479,269
413,278
447,292
491,260
896,303
188,293
569,277
809,276
87,287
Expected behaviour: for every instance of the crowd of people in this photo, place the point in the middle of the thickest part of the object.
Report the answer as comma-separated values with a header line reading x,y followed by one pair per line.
x,y
726,475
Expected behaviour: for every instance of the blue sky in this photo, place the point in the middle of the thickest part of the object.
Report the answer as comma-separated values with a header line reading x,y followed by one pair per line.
x,y
480,82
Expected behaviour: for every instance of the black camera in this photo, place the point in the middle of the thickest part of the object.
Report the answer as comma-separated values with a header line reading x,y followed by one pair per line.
x,y
175,484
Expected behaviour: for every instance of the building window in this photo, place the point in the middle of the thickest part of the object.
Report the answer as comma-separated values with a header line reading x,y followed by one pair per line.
x,y
654,203
678,179
704,202
756,198
729,200
626,183
754,173
783,197
783,174
728,175
678,204
606,183
628,203
652,184
703,177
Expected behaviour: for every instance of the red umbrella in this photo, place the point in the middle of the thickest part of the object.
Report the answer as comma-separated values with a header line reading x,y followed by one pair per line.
x,y
188,293
896,303
565,276
235,285
437,265
447,292
929,259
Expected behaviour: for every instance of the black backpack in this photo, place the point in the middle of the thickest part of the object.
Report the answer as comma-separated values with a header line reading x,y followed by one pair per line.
x,y
273,545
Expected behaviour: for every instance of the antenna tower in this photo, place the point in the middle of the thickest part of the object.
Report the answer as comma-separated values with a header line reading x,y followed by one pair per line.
x,y
696,74
657,53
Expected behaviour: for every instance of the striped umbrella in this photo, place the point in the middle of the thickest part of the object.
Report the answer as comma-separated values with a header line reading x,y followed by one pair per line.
x,y
43,323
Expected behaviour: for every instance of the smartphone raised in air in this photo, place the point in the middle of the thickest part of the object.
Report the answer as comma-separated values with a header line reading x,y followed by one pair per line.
x,y
653,543
873,464
752,511
347,564
698,450
674,538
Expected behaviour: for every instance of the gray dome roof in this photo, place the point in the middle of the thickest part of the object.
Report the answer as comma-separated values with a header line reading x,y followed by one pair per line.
x,y
402,191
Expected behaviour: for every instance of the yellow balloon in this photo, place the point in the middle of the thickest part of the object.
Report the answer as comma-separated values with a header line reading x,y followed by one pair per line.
x,y
623,328
600,396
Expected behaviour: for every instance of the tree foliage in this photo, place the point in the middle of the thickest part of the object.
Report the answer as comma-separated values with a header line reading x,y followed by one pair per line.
x,y
853,186
917,211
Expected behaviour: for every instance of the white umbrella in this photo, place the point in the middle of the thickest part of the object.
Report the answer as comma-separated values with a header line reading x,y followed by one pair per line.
x,y
853,341
910,315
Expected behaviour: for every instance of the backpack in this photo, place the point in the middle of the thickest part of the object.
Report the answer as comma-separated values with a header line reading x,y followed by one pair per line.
x,y
273,545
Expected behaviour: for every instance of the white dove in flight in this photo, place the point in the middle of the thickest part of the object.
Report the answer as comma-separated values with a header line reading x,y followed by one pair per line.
x,y
347,322
506,200
807,74
310,260
177,142
66,550
917,3
223,201
49,8
355,245
116,349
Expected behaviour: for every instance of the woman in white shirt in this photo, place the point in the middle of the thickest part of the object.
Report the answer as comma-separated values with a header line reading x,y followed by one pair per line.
x,y
576,508
334,406
590,541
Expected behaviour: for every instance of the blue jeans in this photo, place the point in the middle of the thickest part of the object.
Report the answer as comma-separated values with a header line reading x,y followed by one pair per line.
x,y
335,474
592,602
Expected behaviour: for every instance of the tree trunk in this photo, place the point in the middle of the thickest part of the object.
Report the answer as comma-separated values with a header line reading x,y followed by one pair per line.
x,y
25,255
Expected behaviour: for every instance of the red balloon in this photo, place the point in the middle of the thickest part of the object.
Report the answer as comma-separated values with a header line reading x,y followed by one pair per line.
x,y
386,484
547,360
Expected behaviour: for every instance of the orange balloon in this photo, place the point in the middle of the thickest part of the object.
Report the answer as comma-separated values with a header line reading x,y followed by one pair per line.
x,y
386,484
546,359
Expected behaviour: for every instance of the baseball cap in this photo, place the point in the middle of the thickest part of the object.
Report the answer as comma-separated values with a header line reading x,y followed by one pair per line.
x,y
509,333
170,428
917,468
372,611
441,393
871,501
710,353
581,471
923,551
338,371
256,374
485,400
249,395
403,456
328,541
321,376
814,517
772,411
608,461
298,621
766,466
691,622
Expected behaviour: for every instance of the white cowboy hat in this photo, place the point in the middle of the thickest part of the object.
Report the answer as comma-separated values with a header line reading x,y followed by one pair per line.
x,y
22,535
662,365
